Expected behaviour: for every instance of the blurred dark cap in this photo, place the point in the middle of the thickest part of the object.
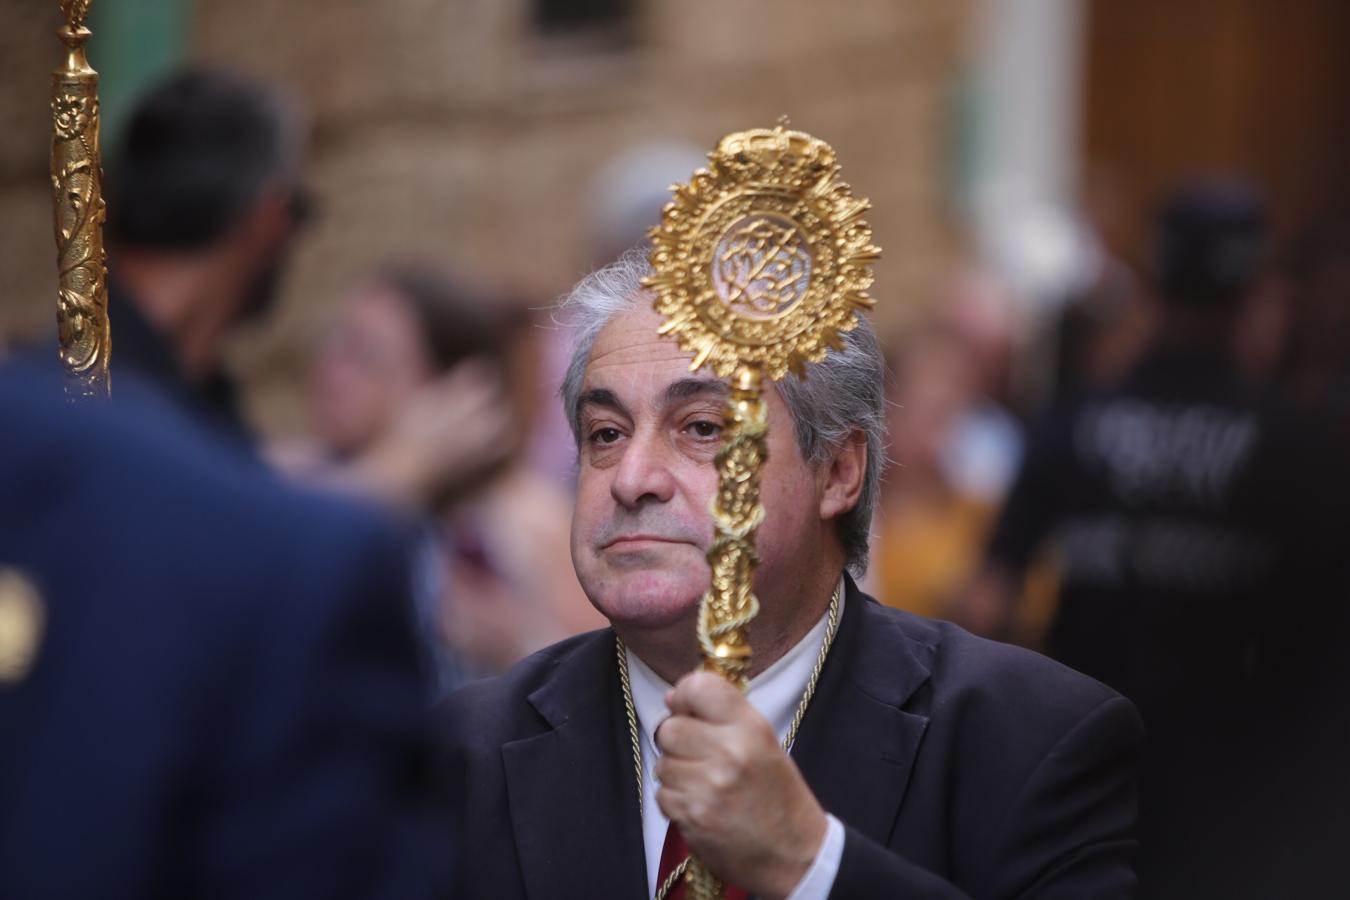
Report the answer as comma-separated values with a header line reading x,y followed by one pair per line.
x,y
197,153
1210,242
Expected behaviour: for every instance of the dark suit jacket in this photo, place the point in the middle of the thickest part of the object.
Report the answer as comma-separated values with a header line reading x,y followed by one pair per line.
x,y
226,700
959,767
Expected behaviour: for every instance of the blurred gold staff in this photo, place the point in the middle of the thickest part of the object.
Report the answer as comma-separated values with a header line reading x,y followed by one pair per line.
x,y
759,263
78,213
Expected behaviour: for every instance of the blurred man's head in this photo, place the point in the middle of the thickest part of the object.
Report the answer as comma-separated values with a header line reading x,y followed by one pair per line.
x,y
1210,244
647,430
203,201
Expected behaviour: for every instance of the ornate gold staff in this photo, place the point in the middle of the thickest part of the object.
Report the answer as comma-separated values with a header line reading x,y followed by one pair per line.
x,y
759,263
77,200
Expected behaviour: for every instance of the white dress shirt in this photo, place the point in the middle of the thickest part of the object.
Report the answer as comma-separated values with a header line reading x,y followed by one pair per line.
x,y
775,693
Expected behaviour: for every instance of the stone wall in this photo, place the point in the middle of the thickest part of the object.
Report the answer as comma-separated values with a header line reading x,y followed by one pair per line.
x,y
29,51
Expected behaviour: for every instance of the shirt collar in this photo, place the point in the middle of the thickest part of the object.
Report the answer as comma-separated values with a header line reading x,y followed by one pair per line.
x,y
212,400
775,693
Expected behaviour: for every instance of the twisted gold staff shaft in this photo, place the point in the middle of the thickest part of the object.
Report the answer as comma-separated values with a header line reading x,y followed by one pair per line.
x,y
78,213
730,603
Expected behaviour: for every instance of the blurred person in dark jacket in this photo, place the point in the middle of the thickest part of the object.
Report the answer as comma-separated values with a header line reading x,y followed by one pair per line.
x,y
1162,447
208,683
203,204
1178,506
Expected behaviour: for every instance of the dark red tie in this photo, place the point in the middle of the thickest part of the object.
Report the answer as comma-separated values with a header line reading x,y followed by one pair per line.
x,y
673,852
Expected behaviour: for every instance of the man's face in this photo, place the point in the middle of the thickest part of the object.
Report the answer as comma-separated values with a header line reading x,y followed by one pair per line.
x,y
649,432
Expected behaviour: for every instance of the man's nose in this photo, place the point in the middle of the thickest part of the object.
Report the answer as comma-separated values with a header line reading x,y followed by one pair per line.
x,y
644,474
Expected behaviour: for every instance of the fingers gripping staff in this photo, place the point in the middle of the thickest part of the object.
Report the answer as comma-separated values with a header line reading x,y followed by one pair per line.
x,y
761,260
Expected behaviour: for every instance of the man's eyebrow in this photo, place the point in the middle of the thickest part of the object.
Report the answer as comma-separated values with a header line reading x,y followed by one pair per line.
x,y
692,387
602,397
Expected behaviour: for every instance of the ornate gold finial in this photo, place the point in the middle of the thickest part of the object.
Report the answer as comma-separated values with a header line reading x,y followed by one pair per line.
x,y
78,213
75,12
758,265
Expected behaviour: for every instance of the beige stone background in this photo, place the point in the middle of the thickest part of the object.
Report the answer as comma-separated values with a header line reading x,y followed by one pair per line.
x,y
453,130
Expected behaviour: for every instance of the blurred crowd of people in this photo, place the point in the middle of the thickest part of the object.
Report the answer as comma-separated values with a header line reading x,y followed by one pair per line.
x,y
270,733
1148,488
427,391
427,395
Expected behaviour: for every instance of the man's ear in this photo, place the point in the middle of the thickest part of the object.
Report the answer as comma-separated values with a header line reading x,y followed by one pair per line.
x,y
268,222
843,476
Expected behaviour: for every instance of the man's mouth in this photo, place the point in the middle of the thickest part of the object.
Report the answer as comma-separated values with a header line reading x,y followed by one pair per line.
x,y
634,541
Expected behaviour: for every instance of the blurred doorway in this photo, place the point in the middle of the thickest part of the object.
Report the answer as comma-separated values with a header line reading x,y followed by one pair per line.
x,y
1261,87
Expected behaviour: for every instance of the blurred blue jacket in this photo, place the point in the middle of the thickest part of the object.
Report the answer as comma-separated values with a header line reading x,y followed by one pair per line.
x,y
225,700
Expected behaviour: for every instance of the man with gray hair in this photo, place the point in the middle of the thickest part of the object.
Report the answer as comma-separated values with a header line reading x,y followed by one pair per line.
x,y
875,754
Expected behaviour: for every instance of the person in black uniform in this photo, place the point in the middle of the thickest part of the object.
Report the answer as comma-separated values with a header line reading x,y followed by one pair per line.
x,y
208,683
203,205
1168,503
1135,485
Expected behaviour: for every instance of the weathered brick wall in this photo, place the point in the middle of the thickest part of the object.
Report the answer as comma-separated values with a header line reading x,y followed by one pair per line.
x,y
29,51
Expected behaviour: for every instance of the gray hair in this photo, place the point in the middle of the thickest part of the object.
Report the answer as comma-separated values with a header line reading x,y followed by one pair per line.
x,y
841,395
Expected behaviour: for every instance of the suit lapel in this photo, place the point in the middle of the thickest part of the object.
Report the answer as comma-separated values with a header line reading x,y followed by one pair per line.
x,y
857,745
571,789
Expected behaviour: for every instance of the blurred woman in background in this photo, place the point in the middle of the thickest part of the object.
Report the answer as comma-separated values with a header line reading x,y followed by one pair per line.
x,y
423,396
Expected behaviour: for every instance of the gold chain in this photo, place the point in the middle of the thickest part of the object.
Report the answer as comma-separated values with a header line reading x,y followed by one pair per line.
x,y
625,682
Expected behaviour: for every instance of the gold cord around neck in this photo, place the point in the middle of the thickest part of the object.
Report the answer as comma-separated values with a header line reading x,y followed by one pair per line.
x,y
831,626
